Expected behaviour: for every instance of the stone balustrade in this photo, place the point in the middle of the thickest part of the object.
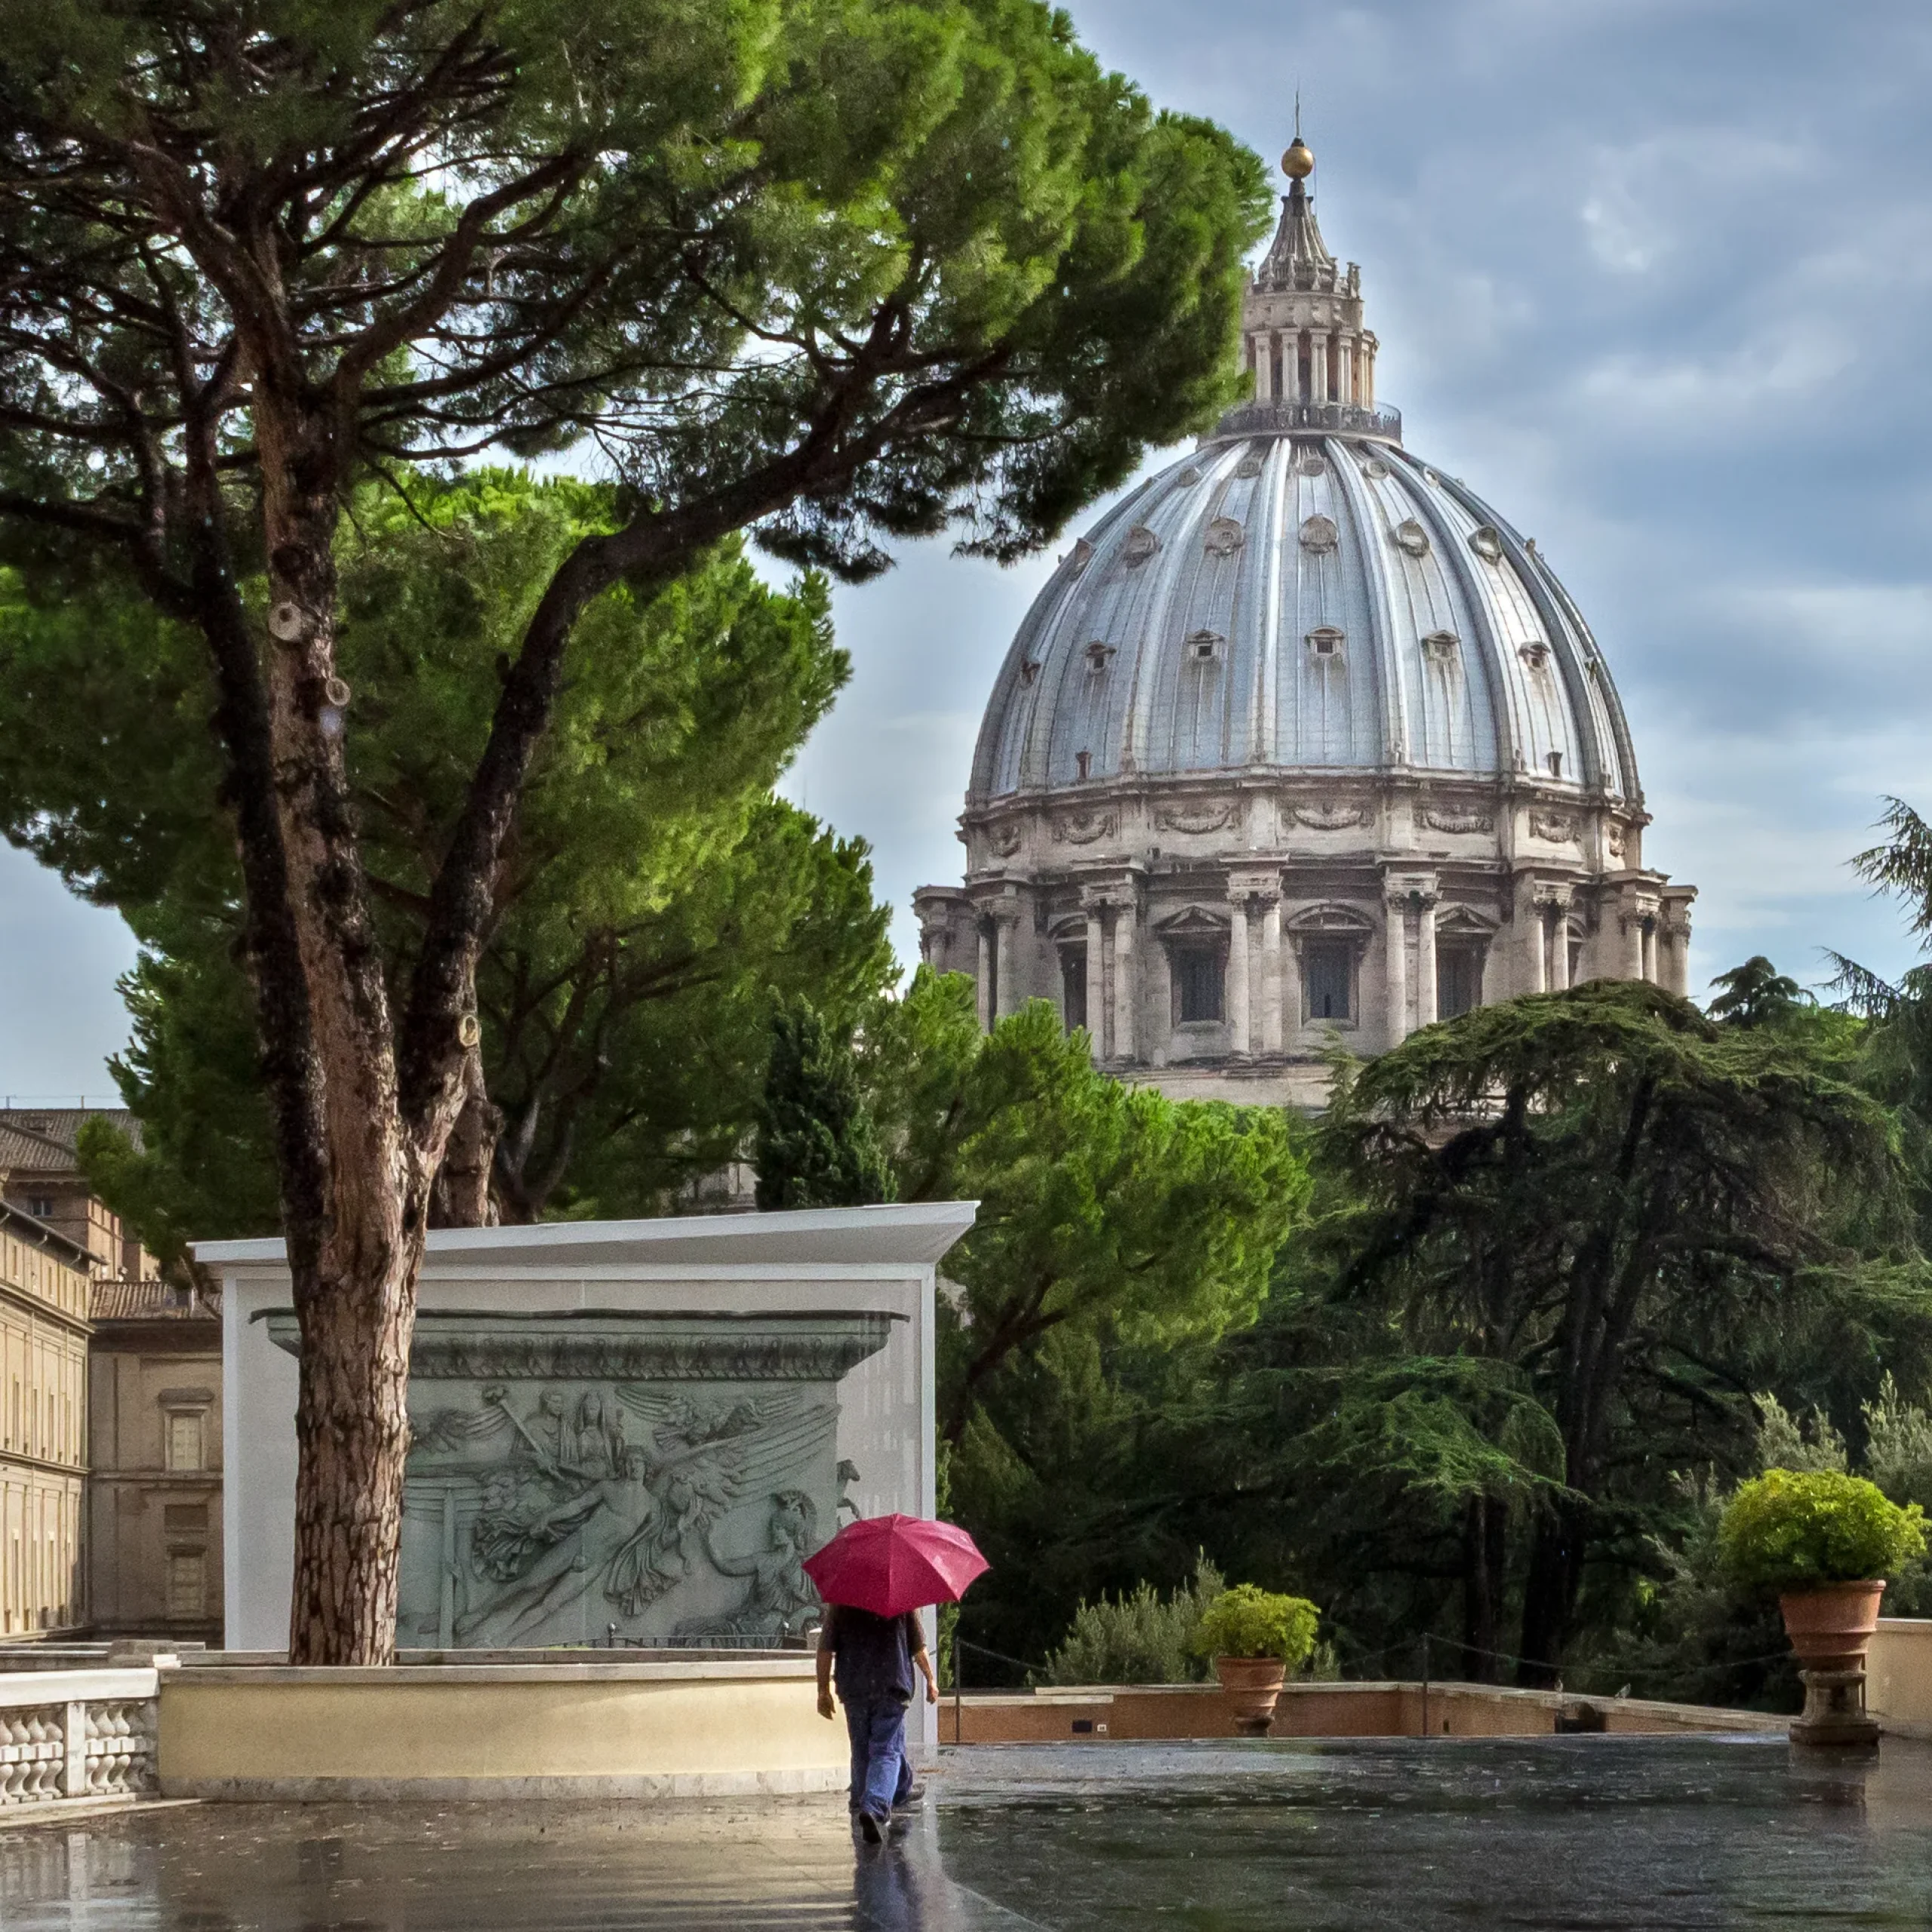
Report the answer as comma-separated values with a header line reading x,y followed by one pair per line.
x,y
77,1734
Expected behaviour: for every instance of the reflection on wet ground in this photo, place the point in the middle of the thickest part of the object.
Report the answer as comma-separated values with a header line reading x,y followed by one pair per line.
x,y
1606,1833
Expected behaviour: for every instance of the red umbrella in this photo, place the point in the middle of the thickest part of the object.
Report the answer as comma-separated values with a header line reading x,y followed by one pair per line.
x,y
890,1564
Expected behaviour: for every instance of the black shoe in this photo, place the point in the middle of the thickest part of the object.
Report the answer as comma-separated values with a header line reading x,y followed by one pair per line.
x,y
869,1827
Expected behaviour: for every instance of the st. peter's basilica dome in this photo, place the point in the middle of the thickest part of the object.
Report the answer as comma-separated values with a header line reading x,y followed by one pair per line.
x,y
1303,738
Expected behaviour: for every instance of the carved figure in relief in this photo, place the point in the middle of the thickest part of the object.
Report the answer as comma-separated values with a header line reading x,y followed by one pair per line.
x,y
848,1474
608,1517
781,1600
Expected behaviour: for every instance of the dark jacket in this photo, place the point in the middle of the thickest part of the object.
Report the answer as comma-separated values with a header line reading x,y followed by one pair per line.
x,y
871,1657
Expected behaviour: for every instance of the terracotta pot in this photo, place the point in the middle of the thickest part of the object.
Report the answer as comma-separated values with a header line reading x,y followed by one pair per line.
x,y
1831,1626
1251,1686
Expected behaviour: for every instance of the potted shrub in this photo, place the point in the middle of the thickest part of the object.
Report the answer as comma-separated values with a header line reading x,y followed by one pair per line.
x,y
1824,1543
1255,1638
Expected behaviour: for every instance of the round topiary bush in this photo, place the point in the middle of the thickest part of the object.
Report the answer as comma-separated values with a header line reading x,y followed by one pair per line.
x,y
1797,1529
1250,1622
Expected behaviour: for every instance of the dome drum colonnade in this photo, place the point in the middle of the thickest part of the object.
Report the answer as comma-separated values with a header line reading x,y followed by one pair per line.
x,y
1301,739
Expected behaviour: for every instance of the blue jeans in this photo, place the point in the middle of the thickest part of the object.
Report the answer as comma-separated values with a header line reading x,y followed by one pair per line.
x,y
881,1773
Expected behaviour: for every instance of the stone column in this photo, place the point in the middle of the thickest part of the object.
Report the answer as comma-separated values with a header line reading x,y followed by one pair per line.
x,y
1537,915
1345,364
1272,953
1096,981
1126,915
986,986
1006,924
1318,366
1559,949
1676,947
1239,1008
1395,947
1633,943
1651,951
1264,366
1426,998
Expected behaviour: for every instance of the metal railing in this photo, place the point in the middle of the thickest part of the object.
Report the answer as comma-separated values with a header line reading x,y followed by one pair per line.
x,y
1277,418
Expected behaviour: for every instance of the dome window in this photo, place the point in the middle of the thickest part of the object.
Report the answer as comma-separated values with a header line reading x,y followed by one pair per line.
x,y
1319,534
1310,463
1083,764
1097,655
1225,536
1140,545
1487,543
1440,647
1029,669
1080,555
1326,644
1375,469
1204,647
1248,466
1410,535
1189,477
1536,656
1556,765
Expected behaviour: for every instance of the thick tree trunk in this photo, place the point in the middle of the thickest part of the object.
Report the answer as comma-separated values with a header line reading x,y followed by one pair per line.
x,y
1550,1591
1484,1521
354,1253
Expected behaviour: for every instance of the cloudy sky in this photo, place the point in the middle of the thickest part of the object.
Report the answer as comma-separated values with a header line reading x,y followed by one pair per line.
x,y
1654,276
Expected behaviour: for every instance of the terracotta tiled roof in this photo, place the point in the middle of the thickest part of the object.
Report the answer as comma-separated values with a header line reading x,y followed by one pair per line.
x,y
151,1301
41,1140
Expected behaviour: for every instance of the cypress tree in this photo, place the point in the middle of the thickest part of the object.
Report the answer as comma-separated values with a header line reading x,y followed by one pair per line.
x,y
817,1145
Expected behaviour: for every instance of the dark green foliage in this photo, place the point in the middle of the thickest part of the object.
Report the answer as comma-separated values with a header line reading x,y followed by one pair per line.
x,y
656,895
1756,994
817,1145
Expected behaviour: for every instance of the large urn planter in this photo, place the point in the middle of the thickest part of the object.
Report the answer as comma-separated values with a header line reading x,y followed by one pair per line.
x,y
1831,1627
1255,1638
1251,1687
1822,1541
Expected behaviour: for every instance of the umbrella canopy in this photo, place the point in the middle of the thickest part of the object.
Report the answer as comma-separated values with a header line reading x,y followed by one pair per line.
x,y
890,1564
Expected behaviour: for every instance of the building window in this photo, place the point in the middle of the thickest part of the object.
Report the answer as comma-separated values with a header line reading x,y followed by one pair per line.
x,y
1458,980
1073,985
187,1583
1197,978
1329,966
184,1440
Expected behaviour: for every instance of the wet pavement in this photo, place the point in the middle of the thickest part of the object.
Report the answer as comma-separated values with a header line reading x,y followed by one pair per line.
x,y
1598,1834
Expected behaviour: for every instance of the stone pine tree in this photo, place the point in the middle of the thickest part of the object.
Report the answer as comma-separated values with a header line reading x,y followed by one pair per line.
x,y
837,272
816,1144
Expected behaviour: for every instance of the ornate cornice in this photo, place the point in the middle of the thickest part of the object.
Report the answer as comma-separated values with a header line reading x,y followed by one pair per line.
x,y
777,1346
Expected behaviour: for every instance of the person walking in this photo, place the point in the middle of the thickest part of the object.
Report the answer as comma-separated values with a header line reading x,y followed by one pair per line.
x,y
872,1659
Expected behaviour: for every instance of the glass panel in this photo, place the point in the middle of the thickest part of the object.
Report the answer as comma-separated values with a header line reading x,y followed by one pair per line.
x,y
1330,964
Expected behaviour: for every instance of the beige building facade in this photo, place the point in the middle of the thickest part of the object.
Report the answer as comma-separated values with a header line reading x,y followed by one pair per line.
x,y
154,1490
44,1335
1303,743
110,1444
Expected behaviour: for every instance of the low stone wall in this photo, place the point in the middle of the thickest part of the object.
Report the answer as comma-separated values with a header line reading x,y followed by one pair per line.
x,y
69,1734
1898,1676
1102,1715
717,1727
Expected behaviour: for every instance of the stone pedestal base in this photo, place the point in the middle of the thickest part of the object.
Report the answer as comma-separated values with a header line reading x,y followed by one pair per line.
x,y
1834,1712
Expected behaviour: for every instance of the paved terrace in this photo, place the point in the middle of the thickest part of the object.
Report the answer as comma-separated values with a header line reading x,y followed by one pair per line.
x,y
1601,1832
